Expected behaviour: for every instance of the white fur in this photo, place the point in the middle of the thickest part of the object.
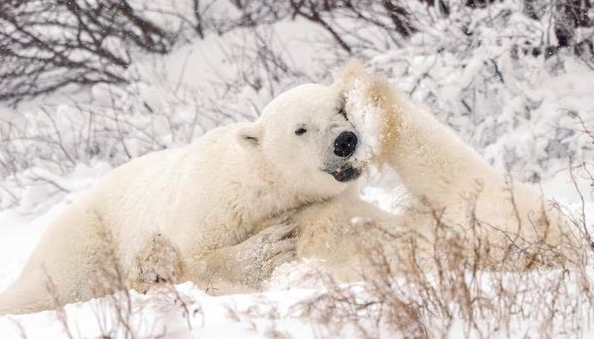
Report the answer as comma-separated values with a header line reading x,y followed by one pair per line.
x,y
207,200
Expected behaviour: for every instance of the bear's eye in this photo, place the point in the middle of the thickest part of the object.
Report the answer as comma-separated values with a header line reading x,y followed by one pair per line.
x,y
300,131
342,112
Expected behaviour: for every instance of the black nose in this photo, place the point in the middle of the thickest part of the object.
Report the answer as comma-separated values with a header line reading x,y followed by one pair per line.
x,y
345,144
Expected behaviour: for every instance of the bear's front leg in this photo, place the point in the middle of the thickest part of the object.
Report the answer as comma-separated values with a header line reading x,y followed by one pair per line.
x,y
245,265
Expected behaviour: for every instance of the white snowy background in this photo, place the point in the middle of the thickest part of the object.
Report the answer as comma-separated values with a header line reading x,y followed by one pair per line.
x,y
482,71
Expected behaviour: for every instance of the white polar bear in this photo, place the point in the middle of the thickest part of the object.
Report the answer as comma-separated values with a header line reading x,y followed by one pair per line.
x,y
197,208
200,206
457,198
454,193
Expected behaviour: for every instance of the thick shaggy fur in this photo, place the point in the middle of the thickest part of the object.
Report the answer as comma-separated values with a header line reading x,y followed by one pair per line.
x,y
193,213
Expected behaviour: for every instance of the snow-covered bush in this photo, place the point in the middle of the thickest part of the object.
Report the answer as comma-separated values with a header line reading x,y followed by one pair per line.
x,y
49,44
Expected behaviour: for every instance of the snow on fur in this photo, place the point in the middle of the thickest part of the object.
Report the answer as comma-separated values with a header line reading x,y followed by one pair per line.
x,y
366,118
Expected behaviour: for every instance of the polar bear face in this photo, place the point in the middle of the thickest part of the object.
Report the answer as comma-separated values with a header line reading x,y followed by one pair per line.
x,y
305,133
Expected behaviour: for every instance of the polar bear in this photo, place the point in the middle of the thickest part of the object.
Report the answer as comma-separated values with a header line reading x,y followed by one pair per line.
x,y
458,202
456,198
195,213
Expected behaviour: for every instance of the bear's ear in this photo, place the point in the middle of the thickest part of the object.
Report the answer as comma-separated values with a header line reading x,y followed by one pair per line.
x,y
249,135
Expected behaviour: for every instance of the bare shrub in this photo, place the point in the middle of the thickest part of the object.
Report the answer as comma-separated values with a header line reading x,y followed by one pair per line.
x,y
48,44
263,65
451,294
259,12
392,20
115,129
206,17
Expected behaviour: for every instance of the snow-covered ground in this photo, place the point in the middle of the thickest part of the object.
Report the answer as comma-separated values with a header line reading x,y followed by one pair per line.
x,y
523,113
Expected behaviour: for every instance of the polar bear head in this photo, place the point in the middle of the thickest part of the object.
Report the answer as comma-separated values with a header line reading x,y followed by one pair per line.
x,y
306,136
